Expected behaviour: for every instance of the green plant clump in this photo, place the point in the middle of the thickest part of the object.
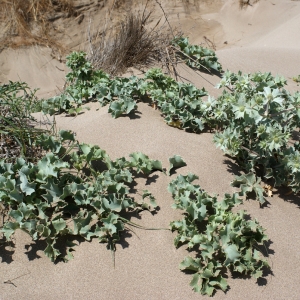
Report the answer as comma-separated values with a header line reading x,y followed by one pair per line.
x,y
197,57
254,118
220,237
180,103
65,194
84,84
257,118
73,189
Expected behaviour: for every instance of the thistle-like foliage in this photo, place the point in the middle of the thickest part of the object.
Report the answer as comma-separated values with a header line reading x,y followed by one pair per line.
x,y
254,117
54,198
258,120
197,57
179,102
220,237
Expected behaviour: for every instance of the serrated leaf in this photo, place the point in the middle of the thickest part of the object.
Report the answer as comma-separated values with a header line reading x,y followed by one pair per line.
x,y
175,162
157,165
51,252
232,254
196,283
9,228
26,187
17,215
16,196
66,135
59,224
189,264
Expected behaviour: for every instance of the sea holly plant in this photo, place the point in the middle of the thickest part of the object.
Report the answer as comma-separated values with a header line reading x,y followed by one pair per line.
x,y
85,84
195,56
180,103
254,118
248,183
258,120
74,190
221,239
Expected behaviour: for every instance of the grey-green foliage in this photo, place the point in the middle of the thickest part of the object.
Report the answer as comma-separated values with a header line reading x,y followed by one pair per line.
x,y
84,84
248,183
180,103
255,116
197,57
177,101
81,195
256,119
220,238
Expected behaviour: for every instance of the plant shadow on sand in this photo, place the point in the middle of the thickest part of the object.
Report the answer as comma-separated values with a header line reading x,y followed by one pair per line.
x,y
232,167
286,194
133,115
6,251
32,249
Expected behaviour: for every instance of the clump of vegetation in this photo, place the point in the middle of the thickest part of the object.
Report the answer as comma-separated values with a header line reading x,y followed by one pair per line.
x,y
137,43
195,56
254,117
75,190
17,131
28,22
53,199
57,189
85,84
222,239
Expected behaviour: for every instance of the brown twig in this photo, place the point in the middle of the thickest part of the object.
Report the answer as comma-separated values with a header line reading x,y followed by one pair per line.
x,y
10,281
165,17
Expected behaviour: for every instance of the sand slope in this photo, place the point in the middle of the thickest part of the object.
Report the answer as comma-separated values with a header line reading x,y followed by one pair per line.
x,y
147,264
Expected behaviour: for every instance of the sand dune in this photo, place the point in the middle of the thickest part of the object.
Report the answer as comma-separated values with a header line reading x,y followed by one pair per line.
x,y
147,267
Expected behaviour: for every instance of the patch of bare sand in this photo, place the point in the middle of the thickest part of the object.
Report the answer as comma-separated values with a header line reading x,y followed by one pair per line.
x,y
147,267
33,65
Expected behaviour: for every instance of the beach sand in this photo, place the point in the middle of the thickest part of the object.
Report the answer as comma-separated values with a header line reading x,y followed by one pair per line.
x,y
262,37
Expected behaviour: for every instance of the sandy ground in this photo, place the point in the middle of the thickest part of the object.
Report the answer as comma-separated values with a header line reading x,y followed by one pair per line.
x,y
262,37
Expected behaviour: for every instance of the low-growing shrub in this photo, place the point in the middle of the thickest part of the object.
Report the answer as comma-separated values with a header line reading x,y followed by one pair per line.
x,y
220,238
65,194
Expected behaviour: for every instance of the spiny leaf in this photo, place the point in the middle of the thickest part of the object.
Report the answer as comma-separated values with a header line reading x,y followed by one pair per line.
x,y
175,162
232,254
25,186
220,237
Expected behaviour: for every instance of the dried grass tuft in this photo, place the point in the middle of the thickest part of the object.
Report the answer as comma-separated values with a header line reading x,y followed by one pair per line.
x,y
134,43
28,22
